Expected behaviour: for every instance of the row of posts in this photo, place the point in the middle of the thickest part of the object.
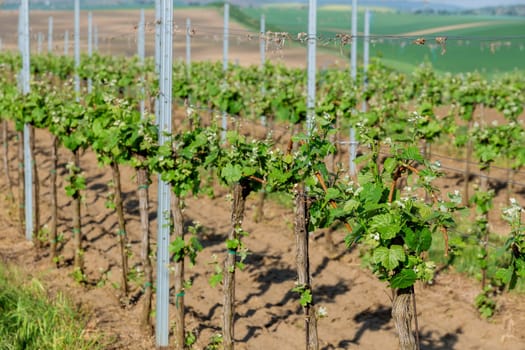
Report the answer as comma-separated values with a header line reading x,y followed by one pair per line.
x,y
92,37
163,66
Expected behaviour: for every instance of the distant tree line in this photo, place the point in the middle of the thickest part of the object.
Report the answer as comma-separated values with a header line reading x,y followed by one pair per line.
x,y
515,10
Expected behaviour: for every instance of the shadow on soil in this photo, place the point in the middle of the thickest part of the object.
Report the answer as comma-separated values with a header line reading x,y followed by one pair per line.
x,y
431,340
379,319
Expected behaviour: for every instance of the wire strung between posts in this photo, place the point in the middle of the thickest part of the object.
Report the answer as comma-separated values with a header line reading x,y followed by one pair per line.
x,y
301,37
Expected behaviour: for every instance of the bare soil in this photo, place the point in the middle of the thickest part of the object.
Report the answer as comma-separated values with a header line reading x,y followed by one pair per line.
x,y
268,313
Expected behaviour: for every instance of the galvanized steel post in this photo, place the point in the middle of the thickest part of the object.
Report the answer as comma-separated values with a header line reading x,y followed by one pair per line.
x,y
77,49
95,37
353,74
50,34
225,61
262,41
25,77
366,56
141,54
188,46
66,42
90,46
311,68
163,213
40,39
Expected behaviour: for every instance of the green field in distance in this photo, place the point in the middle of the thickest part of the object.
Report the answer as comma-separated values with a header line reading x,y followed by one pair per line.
x,y
487,44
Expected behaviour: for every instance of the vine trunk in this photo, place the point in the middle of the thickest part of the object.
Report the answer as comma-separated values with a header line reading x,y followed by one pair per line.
x,y
402,314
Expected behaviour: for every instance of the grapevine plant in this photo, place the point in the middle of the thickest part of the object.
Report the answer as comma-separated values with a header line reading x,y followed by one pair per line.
x,y
243,167
515,245
394,224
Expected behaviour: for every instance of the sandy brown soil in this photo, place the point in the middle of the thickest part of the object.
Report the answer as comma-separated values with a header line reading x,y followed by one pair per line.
x,y
268,314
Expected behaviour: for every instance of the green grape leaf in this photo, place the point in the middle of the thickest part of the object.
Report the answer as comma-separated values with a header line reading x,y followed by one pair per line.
x,y
404,279
386,224
389,258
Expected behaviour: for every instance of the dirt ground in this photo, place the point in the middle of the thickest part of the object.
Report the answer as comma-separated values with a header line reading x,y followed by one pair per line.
x,y
268,314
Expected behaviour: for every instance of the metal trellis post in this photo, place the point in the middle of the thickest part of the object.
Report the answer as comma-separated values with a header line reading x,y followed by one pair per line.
x,y
50,34
90,45
353,73
40,39
163,214
312,46
366,55
141,54
262,49
25,77
262,44
188,46
66,42
225,62
95,36
77,49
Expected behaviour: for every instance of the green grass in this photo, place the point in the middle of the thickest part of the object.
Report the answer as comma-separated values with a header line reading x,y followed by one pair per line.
x,y
385,23
402,54
464,249
31,320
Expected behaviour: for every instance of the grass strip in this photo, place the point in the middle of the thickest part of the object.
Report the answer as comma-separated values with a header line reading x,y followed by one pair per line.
x,y
30,319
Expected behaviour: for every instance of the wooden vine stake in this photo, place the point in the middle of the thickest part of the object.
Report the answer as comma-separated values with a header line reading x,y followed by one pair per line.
x,y
21,193
143,195
54,202
302,220
36,192
178,271
77,233
5,142
122,234
239,194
